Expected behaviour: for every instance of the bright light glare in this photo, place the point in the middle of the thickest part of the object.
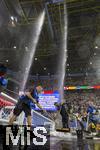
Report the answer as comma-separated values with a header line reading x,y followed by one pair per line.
x,y
12,18
96,47
14,46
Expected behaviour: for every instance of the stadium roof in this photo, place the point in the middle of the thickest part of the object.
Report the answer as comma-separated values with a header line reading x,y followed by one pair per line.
x,y
17,19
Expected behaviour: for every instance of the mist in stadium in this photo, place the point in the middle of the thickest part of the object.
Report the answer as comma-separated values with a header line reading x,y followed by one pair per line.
x,y
50,74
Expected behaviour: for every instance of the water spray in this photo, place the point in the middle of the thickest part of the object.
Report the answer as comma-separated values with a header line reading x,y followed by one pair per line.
x,y
64,54
29,58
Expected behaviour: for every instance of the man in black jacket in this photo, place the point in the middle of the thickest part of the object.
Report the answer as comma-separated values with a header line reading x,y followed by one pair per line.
x,y
61,108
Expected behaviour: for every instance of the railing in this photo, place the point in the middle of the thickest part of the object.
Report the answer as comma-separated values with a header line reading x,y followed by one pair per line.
x,y
37,118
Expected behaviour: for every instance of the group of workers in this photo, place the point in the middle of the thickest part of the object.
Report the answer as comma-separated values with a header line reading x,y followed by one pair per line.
x,y
31,98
